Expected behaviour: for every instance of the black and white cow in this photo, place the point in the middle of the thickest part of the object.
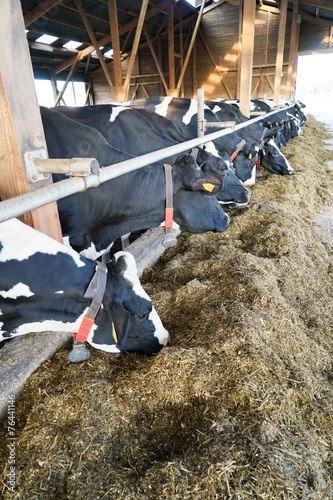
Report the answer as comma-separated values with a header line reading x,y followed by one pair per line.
x,y
139,131
94,219
268,136
183,112
43,287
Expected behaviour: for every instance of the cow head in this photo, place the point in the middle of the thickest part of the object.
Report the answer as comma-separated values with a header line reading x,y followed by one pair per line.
x,y
299,113
234,193
128,321
274,132
195,178
196,210
273,160
245,163
214,164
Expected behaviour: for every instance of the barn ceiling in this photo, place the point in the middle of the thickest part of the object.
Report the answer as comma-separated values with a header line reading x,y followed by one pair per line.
x,y
87,22
67,21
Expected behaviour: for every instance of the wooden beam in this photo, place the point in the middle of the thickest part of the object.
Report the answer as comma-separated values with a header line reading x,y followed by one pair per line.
x,y
239,49
194,72
21,127
122,30
181,46
114,29
69,76
135,46
292,63
39,11
280,50
218,71
171,51
247,56
153,53
188,55
315,20
94,42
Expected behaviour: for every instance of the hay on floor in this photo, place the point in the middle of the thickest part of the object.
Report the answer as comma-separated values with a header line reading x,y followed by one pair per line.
x,y
240,405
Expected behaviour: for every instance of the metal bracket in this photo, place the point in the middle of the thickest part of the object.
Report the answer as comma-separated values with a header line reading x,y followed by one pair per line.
x,y
29,160
39,166
229,124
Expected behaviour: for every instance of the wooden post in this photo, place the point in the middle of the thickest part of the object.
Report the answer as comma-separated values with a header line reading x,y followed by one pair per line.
x,y
117,68
135,46
280,50
96,44
247,56
171,52
294,36
21,127
239,48
156,59
189,51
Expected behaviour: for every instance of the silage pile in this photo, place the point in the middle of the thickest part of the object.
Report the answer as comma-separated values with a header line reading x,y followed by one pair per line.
x,y
240,406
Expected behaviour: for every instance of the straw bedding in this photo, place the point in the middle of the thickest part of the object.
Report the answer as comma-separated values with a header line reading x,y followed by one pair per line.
x,y
240,406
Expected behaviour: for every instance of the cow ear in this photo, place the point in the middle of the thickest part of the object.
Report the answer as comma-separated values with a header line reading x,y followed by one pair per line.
x,y
117,268
210,185
188,171
121,324
250,149
188,161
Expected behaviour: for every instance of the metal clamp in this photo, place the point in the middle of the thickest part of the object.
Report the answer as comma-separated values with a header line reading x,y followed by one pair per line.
x,y
39,166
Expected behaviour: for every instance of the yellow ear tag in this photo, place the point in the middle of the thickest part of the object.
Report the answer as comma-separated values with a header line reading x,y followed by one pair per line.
x,y
250,156
208,186
114,333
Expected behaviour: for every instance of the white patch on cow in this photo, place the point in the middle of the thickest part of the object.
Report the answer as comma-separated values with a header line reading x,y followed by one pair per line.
x,y
18,290
105,347
210,148
21,242
251,182
49,326
131,275
91,252
289,167
162,108
65,241
216,109
232,101
192,110
115,112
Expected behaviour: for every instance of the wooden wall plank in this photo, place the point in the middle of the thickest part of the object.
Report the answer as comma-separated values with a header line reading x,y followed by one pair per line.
x,y
20,122
247,56
280,50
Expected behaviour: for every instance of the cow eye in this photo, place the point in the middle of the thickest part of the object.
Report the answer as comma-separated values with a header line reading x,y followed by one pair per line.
x,y
144,314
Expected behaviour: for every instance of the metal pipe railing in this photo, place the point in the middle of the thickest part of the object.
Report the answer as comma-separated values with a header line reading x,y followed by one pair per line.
x,y
19,205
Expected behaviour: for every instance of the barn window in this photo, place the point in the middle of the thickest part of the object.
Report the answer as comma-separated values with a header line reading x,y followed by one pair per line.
x,y
75,93
72,44
94,54
47,39
108,54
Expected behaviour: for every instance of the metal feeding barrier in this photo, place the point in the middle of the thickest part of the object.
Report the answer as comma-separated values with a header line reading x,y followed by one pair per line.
x,y
91,175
